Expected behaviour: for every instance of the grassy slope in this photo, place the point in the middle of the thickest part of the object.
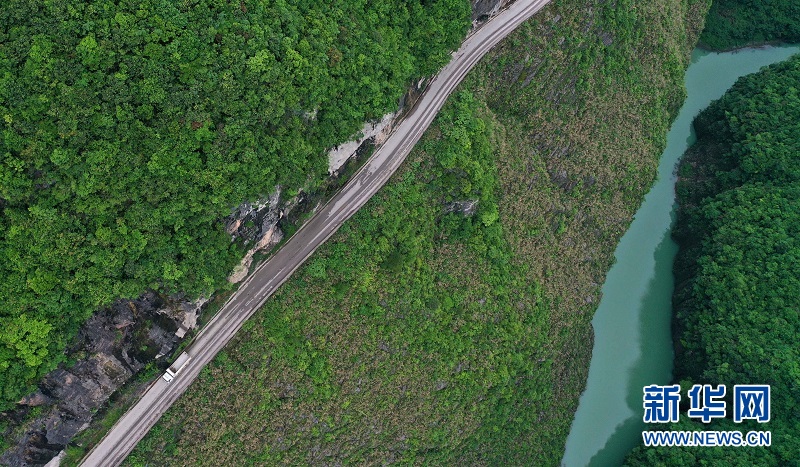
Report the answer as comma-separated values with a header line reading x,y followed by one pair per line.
x,y
418,336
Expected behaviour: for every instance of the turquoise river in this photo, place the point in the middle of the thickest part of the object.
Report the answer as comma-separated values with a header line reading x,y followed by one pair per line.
x,y
633,345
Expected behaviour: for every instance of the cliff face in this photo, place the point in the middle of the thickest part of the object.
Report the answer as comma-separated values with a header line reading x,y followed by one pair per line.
x,y
112,346
481,9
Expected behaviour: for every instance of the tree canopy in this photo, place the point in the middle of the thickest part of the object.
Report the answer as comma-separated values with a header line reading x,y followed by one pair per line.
x,y
736,23
131,128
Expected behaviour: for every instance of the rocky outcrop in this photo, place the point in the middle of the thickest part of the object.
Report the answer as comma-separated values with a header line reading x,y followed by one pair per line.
x,y
251,221
272,237
372,133
377,132
118,342
466,208
256,225
112,346
484,9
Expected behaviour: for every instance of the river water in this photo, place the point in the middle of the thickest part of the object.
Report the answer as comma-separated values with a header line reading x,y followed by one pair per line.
x,y
633,346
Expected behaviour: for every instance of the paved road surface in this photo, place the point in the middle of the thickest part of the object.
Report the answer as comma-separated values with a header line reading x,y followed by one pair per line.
x,y
263,282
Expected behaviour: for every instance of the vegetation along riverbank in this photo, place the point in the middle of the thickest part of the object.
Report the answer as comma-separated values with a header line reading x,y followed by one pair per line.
x,y
738,269
733,24
735,301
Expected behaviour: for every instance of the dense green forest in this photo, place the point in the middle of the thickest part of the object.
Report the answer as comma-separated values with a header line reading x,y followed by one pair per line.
x,y
418,335
738,270
131,128
737,23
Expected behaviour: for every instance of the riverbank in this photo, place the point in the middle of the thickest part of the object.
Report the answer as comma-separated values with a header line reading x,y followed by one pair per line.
x,y
633,342
737,271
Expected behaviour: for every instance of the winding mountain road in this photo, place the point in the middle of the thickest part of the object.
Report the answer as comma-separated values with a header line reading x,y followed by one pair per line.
x,y
263,282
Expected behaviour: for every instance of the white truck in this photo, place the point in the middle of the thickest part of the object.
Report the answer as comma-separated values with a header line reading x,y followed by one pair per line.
x,y
176,366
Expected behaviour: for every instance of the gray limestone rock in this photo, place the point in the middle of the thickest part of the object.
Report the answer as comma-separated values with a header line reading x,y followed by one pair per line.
x,y
112,346
482,9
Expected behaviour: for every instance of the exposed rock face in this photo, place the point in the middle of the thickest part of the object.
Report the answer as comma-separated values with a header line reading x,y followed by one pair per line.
x,y
250,222
118,342
271,238
377,131
185,314
373,133
466,208
114,344
483,9
257,225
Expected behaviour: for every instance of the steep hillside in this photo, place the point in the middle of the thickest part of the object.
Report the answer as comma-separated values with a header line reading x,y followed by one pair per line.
x,y
448,321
